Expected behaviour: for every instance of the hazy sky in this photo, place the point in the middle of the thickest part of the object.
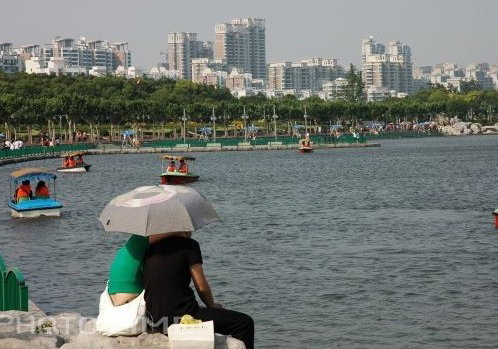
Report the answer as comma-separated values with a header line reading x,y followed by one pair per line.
x,y
462,31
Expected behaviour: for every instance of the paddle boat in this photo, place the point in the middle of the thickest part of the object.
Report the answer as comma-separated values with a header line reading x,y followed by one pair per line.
x,y
30,206
174,175
305,145
71,164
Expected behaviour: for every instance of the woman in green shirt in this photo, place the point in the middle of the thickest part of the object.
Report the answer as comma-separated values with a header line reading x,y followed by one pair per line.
x,y
125,276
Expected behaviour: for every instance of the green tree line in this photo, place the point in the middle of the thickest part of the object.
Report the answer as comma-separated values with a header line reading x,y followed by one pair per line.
x,y
38,101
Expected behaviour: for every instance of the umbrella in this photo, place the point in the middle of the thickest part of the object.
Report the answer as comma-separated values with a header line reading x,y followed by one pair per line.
x,y
158,209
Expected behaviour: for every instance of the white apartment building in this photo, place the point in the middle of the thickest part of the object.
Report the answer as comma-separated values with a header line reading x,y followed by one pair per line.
x,y
242,44
392,70
376,94
306,75
333,90
450,75
80,55
55,66
160,72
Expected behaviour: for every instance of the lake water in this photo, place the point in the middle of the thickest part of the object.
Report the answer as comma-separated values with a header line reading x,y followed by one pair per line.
x,y
390,247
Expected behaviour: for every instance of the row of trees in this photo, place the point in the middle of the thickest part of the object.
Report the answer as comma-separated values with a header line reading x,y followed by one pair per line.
x,y
46,102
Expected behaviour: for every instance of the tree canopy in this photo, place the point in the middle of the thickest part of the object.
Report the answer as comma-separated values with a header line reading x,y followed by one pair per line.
x,y
34,99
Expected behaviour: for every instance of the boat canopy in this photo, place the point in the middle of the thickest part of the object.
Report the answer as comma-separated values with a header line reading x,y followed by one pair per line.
x,y
177,158
75,153
31,173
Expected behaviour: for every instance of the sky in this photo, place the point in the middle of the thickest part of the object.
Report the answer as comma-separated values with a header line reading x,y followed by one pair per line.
x,y
461,31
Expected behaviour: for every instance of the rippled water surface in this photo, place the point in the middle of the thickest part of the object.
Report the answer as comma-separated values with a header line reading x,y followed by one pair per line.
x,y
390,247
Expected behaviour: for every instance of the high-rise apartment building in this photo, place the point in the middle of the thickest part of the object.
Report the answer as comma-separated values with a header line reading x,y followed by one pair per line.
x,y
391,70
182,48
10,62
308,74
121,55
78,56
242,44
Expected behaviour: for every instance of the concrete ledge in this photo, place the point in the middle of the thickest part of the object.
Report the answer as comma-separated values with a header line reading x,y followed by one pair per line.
x,y
178,149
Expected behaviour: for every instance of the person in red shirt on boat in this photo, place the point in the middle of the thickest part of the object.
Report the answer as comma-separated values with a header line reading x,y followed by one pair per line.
x,y
80,160
24,192
42,191
183,167
71,162
65,161
171,167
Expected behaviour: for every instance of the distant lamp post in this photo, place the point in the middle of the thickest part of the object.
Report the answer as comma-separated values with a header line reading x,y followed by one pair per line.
x,y
275,117
245,117
184,119
225,118
213,119
306,116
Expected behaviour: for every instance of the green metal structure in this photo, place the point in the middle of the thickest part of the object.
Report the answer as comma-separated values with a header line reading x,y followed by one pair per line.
x,y
225,142
13,289
38,150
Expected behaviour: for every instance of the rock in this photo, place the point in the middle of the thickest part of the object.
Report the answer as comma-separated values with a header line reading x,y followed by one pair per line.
x,y
227,342
34,330
69,325
32,342
30,329
97,341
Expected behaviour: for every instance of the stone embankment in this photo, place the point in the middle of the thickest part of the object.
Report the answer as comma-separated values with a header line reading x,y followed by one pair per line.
x,y
35,330
113,150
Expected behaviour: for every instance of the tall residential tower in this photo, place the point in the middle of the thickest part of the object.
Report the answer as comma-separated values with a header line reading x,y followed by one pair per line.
x,y
182,48
242,44
391,70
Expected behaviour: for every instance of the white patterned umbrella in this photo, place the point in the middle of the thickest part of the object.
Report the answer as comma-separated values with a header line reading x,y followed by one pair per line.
x,y
158,209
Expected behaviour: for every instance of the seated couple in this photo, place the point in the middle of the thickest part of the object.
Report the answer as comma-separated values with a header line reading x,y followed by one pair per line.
x,y
164,265
24,192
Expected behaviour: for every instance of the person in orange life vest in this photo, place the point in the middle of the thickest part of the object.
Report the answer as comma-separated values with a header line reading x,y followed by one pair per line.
x,y
171,167
65,161
71,162
80,160
42,191
24,191
183,167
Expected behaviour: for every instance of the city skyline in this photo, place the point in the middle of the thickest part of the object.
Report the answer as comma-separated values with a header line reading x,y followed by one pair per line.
x,y
438,31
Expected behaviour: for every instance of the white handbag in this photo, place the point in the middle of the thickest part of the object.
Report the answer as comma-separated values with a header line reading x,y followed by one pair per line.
x,y
124,320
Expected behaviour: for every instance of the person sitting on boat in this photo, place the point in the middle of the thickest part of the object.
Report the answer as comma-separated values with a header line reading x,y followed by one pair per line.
x,y
71,162
65,161
80,160
41,191
183,167
171,167
24,192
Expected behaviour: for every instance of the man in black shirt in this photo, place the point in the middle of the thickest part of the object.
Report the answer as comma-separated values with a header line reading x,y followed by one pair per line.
x,y
170,264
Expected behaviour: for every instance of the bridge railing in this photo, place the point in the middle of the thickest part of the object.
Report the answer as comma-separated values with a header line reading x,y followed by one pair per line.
x,y
13,289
